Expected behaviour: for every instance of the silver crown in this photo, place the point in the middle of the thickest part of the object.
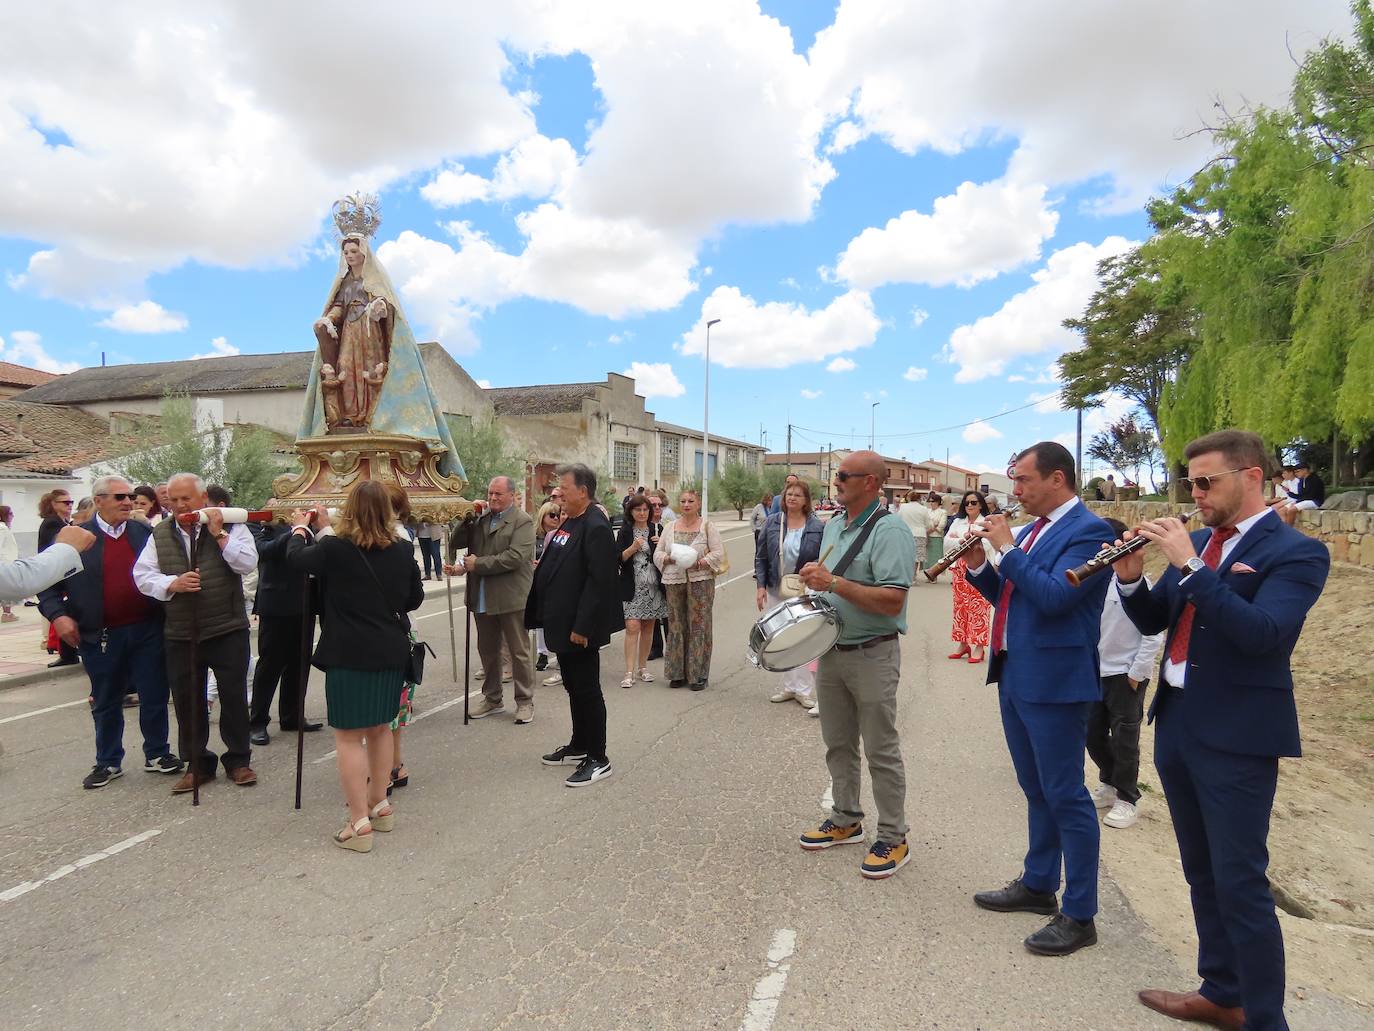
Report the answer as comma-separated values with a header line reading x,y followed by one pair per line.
x,y
358,214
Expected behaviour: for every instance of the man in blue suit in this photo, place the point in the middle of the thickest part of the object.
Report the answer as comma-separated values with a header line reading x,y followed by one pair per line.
x,y
1044,662
1234,600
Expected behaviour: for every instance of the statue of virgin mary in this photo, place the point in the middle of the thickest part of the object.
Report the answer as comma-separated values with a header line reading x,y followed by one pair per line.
x,y
367,376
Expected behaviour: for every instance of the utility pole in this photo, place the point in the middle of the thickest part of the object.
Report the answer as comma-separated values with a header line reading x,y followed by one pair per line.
x,y
828,475
1078,451
789,448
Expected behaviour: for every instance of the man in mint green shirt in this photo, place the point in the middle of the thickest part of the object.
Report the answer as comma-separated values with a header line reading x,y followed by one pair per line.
x,y
856,681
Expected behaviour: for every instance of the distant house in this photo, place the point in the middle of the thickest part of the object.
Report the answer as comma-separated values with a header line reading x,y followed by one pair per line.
x,y
17,378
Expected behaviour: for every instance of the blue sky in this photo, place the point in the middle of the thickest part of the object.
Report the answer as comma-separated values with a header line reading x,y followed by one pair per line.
x,y
881,203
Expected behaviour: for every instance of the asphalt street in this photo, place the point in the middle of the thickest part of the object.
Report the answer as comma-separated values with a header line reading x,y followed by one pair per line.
x,y
672,895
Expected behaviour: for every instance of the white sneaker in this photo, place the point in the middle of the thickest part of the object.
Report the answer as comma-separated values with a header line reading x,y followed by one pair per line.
x,y
485,707
551,681
815,710
1123,815
1104,796
782,696
804,701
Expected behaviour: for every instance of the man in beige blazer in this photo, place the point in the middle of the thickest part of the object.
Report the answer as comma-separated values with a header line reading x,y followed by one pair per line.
x,y
500,566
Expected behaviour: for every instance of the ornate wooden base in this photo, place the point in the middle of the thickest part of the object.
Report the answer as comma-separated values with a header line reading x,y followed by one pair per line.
x,y
333,464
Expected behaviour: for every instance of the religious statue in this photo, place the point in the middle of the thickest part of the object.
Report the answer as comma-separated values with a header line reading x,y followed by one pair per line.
x,y
355,338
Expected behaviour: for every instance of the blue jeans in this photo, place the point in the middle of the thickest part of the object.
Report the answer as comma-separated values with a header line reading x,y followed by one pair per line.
x,y
431,553
132,661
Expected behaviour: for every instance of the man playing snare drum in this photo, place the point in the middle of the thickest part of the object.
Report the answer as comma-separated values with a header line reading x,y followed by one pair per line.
x,y
856,682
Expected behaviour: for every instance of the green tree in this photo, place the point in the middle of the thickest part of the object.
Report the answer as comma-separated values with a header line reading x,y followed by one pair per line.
x,y
486,452
737,486
1125,444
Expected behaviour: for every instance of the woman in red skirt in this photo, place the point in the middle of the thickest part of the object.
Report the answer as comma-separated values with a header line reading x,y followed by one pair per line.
x,y
971,609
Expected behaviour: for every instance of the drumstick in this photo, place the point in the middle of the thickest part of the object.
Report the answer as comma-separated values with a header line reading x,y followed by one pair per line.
x,y
825,555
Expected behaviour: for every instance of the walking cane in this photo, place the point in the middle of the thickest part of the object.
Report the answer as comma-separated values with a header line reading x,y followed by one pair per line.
x,y
307,625
467,659
197,699
452,638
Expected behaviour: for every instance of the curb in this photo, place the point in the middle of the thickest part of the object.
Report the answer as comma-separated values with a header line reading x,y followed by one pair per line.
x,y
40,676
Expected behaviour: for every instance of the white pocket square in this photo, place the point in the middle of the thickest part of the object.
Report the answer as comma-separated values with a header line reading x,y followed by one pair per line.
x,y
1241,567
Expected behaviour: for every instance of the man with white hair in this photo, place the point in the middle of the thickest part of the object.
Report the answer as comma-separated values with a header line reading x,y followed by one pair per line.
x,y
204,605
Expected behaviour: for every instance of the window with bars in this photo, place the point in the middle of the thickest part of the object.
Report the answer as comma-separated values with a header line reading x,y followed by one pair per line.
x,y
625,461
670,455
732,455
751,459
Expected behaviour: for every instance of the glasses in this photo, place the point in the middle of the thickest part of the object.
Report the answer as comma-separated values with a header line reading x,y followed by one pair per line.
x,y
844,477
1204,483
63,501
117,497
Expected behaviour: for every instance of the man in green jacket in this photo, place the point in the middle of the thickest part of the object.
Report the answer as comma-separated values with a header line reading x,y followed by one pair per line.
x,y
500,566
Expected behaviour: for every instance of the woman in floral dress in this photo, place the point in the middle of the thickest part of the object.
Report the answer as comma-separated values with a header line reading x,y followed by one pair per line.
x,y
641,586
970,629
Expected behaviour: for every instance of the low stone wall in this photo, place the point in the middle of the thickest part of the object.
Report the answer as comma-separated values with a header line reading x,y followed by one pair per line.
x,y
1349,536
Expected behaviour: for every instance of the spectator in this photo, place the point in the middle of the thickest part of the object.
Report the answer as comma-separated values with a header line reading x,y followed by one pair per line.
x,y
666,514
400,773
1109,488
691,593
573,598
146,506
218,496
367,578
9,554
935,539
85,510
163,497
641,586
776,507
969,629
55,512
119,633
917,516
1311,491
431,536
658,506
206,602
790,540
550,517
760,516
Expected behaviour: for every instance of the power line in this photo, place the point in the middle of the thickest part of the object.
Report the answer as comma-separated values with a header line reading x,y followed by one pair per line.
x,y
923,433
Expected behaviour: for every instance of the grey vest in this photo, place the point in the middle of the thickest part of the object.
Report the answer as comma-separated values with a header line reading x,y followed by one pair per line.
x,y
219,606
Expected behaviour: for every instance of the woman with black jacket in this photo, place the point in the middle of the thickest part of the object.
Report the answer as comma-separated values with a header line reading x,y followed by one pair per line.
x,y
790,539
55,510
641,586
367,579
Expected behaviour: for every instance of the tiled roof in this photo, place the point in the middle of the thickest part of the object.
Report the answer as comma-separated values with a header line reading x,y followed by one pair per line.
x,y
542,399
43,438
668,427
12,375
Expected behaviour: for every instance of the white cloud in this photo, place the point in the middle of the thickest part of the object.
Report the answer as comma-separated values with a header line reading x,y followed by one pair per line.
x,y
220,347
973,234
145,317
536,167
453,188
655,379
918,317
979,432
914,374
1065,81
841,365
811,395
777,334
25,347
1030,322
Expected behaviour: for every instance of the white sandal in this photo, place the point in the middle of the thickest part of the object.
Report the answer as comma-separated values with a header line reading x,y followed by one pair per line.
x,y
360,840
629,680
383,821
645,675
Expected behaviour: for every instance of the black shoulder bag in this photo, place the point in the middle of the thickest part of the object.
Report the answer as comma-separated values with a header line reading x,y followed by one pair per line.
x,y
415,662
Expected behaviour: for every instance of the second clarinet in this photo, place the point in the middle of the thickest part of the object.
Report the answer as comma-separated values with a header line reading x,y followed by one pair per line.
x,y
1104,558
963,548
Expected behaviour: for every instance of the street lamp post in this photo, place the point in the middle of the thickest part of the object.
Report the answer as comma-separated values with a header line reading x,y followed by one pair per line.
x,y
872,422
706,429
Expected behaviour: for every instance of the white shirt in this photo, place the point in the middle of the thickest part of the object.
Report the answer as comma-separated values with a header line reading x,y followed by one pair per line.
x,y
1176,672
111,531
240,553
917,517
1121,648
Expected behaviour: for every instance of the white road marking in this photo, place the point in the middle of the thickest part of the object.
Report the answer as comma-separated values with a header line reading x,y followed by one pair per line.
x,y
80,864
763,1007
40,712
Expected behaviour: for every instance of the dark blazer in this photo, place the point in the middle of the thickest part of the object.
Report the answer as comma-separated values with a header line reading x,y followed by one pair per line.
x,y
280,590
82,595
48,529
1052,627
1239,693
1310,489
360,629
623,538
767,567
575,589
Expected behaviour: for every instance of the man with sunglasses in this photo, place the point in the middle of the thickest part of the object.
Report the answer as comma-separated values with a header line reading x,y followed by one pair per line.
x,y
1233,601
118,632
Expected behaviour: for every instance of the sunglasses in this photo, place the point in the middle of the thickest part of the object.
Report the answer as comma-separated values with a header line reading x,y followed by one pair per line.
x,y
63,501
844,477
1204,483
117,497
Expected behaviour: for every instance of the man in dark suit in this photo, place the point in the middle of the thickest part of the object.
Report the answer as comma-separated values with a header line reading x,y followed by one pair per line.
x,y
1234,600
119,633
575,598
1044,662
279,604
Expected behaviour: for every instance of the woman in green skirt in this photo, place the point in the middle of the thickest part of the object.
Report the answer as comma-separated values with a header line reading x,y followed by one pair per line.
x,y
368,581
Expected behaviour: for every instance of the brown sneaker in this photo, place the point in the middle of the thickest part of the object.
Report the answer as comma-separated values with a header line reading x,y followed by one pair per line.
x,y
182,786
484,706
243,776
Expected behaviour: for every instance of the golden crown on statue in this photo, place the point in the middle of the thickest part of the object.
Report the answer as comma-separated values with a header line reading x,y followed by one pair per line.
x,y
358,214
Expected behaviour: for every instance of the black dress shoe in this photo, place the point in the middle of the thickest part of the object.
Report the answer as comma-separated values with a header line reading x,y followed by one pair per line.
x,y
64,662
677,683
698,685
1017,898
1062,936
309,728
260,737
542,664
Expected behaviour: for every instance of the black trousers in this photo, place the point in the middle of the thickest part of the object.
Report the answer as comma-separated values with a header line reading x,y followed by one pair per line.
x,y
430,552
1114,735
227,655
279,660
656,648
581,671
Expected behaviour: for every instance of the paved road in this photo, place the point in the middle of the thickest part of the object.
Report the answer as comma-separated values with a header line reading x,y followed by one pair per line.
x,y
504,900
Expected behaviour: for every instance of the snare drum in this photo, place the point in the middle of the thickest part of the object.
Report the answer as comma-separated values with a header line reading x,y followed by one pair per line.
x,y
793,633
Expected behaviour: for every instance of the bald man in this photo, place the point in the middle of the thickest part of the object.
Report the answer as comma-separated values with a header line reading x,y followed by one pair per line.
x,y
865,572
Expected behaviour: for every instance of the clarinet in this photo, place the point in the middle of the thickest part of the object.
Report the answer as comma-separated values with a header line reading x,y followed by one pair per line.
x,y
964,547
1104,558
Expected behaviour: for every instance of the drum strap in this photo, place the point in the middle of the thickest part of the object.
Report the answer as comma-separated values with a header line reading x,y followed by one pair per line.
x,y
858,545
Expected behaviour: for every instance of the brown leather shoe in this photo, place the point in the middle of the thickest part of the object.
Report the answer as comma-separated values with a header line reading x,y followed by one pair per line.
x,y
1193,1006
182,786
243,776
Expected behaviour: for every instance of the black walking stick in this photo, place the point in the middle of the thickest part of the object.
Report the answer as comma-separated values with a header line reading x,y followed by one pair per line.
x,y
467,659
307,625
197,689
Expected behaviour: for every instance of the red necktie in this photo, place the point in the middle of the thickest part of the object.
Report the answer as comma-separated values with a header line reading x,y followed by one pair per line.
x,y
999,620
1211,555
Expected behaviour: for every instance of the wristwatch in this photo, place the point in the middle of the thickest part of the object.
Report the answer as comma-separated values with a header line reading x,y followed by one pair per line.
x,y
221,535
1006,549
1192,566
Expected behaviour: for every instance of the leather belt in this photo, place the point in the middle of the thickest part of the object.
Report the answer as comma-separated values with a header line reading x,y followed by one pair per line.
x,y
865,644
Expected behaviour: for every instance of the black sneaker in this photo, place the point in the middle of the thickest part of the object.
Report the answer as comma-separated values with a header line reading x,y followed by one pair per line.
x,y
542,664
565,755
164,764
100,776
589,772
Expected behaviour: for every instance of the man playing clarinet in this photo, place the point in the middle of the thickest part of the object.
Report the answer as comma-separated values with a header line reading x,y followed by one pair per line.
x,y
1233,600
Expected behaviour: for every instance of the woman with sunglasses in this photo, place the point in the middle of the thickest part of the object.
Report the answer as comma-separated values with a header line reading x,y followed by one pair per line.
x,y
549,518
970,626
55,511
